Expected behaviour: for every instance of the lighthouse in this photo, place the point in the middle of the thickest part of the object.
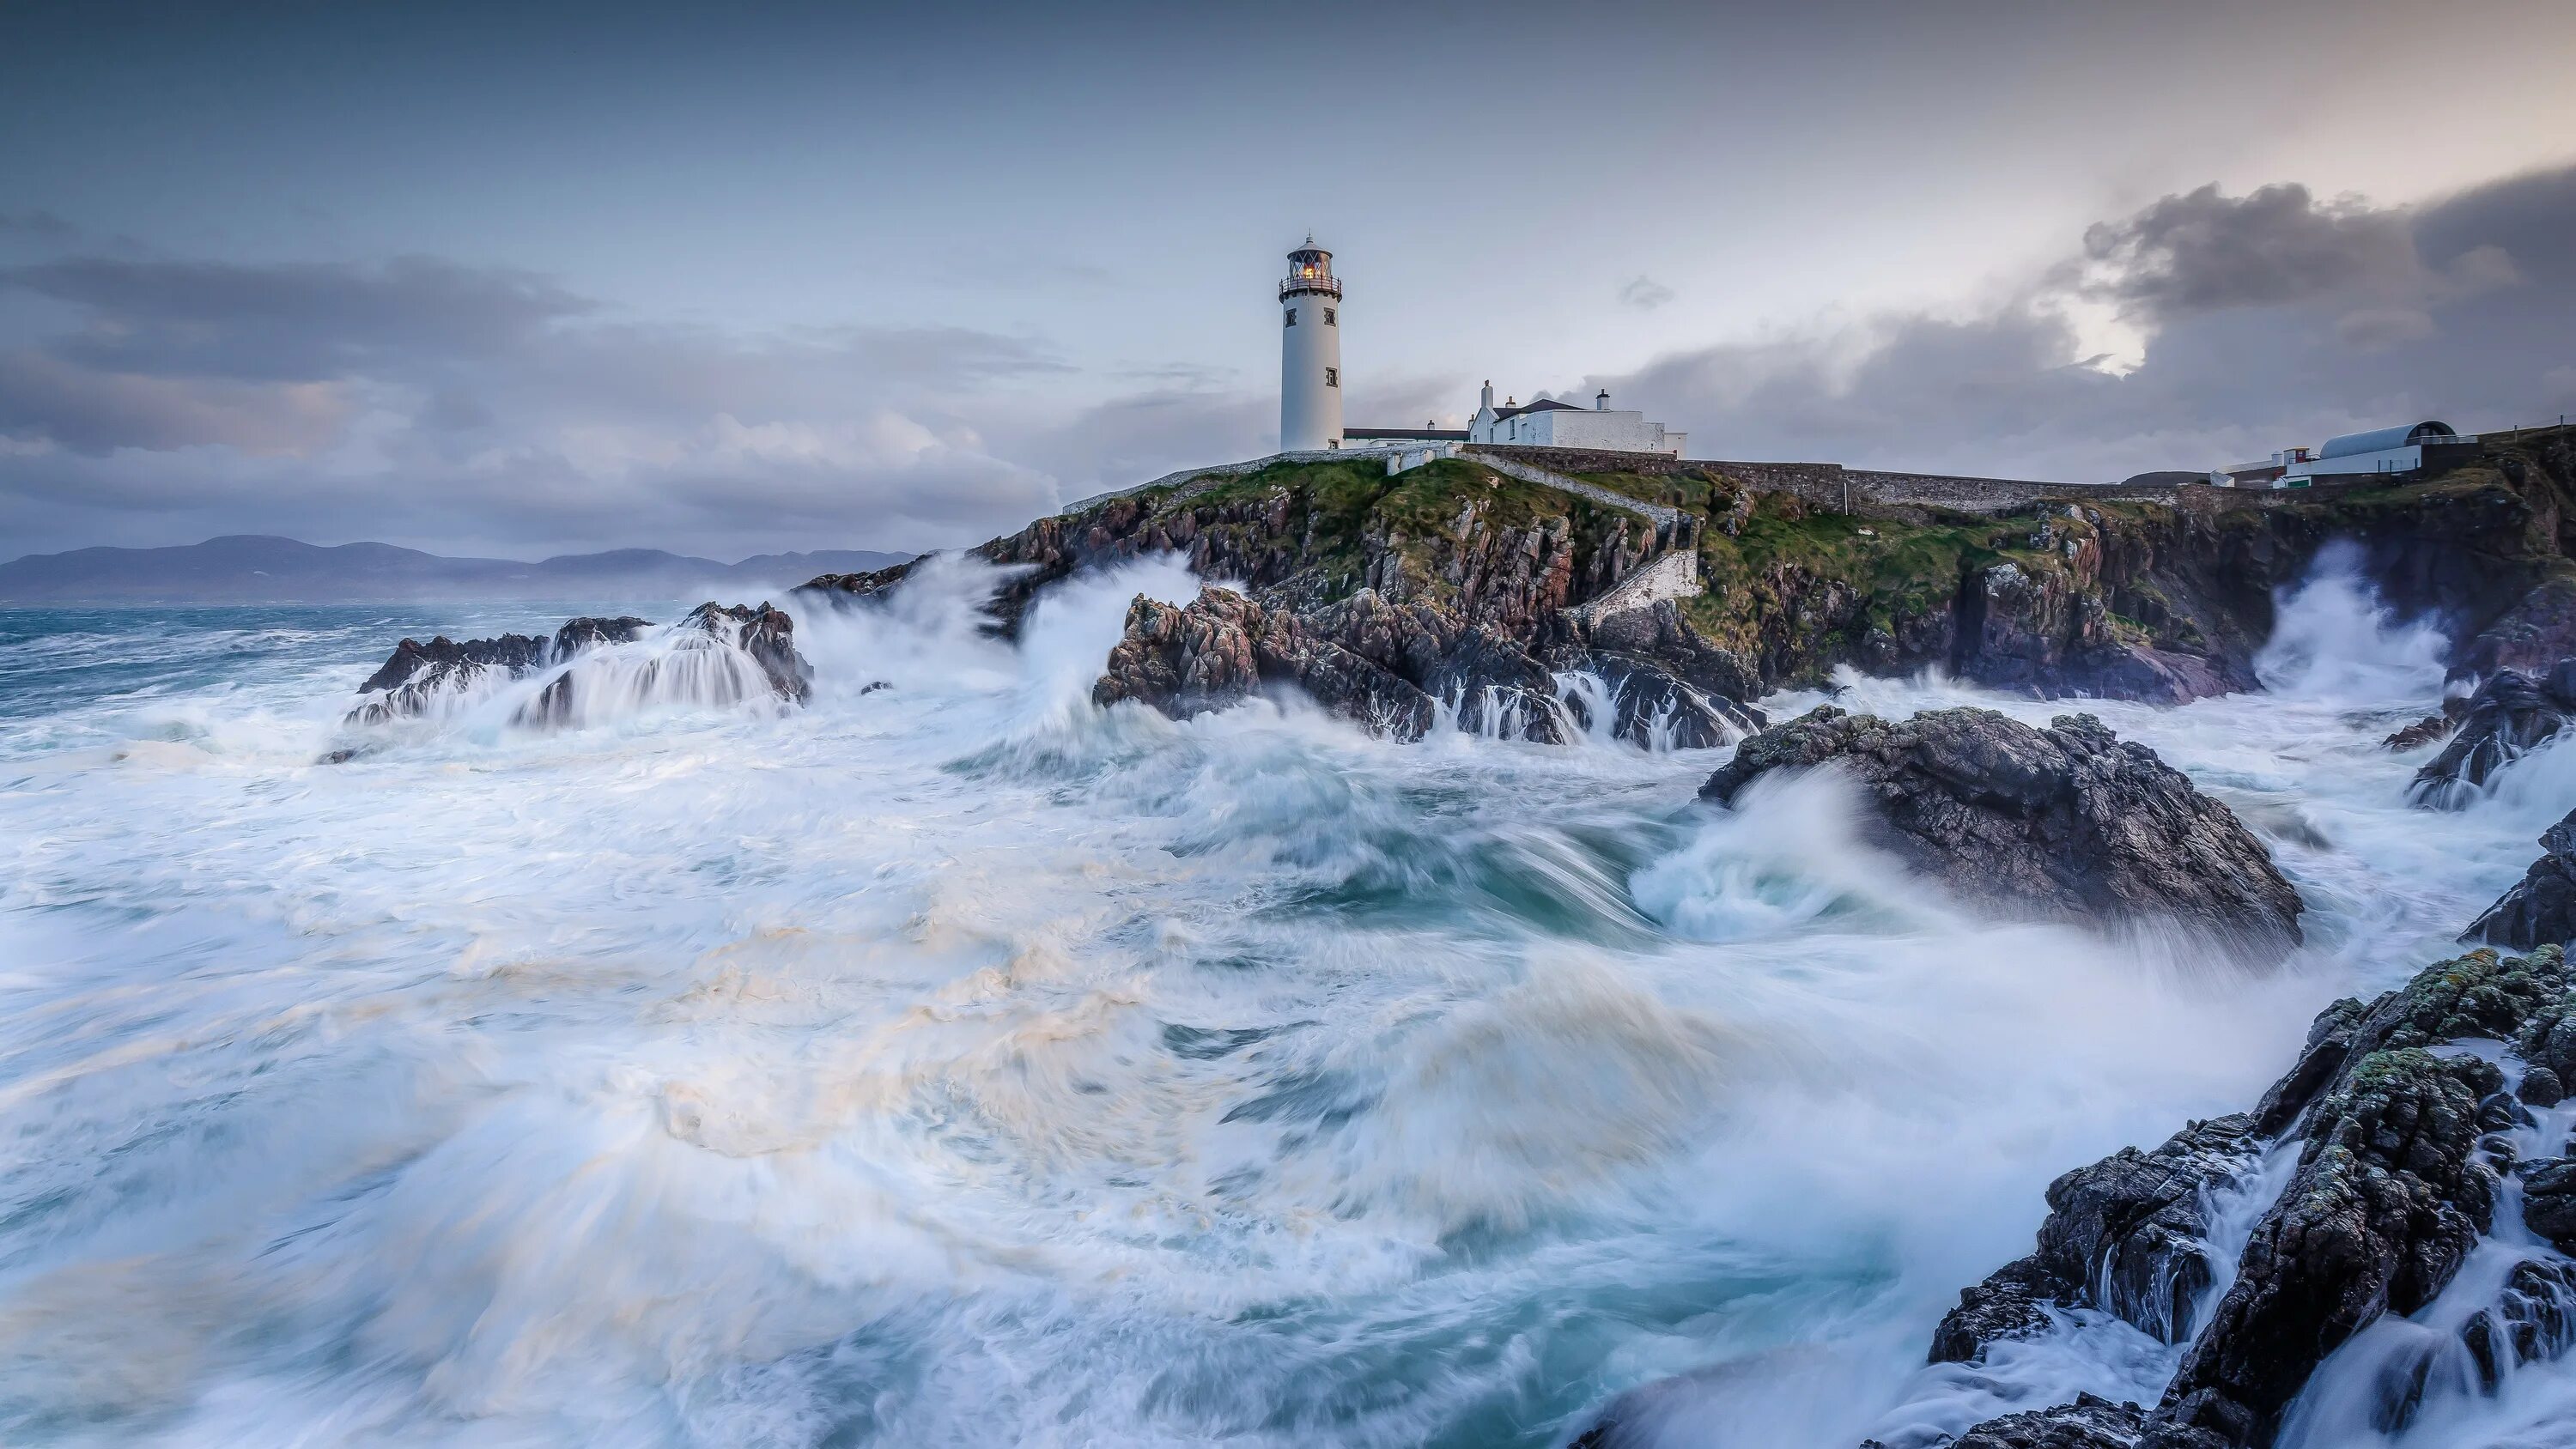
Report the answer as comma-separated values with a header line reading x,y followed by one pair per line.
x,y
1310,352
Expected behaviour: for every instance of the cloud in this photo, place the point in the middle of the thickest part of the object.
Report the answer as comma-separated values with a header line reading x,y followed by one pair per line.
x,y
423,400
2263,319
1645,294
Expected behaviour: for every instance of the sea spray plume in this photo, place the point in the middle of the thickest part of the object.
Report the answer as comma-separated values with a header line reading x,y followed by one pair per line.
x,y
2334,638
2510,716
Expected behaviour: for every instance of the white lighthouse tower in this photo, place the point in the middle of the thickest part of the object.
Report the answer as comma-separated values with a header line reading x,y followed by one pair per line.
x,y
1310,352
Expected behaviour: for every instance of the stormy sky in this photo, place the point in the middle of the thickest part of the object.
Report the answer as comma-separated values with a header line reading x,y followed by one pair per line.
x,y
521,280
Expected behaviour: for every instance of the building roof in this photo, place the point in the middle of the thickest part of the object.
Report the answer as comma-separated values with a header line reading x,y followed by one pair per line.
x,y
1428,434
1543,405
2380,440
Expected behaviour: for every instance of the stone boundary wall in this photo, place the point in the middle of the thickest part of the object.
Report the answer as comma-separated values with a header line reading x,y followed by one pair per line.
x,y
1830,486
1580,460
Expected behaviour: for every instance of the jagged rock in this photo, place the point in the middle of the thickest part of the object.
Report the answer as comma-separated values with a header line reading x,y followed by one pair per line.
x,y
2066,822
1663,676
2541,1087
2125,1235
2541,908
2534,1319
2385,1205
2386,1200
2088,1423
2012,1303
2549,1199
1222,647
766,634
416,674
590,632
2547,1039
2510,715
2431,727
1391,663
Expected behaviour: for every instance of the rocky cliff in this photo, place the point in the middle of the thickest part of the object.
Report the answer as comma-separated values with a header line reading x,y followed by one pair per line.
x,y
2085,594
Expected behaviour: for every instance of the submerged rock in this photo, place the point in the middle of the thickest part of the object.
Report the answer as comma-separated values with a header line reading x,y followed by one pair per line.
x,y
2541,908
2066,822
2510,715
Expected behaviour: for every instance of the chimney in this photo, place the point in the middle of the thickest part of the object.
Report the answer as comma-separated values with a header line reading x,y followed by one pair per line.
x,y
1601,403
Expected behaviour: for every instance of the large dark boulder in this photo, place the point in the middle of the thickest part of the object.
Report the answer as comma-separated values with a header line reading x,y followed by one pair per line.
x,y
2541,908
2065,822
2511,715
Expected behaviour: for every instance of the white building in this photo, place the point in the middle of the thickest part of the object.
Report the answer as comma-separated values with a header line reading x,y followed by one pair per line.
x,y
1310,352
2400,449
1551,424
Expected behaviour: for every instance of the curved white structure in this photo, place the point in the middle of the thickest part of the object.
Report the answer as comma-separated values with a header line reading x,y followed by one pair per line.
x,y
1310,352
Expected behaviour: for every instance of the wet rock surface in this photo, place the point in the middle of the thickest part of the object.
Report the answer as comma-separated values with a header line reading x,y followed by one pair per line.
x,y
2511,715
765,633
2065,822
1222,648
418,676
2395,1182
2386,1204
1391,665
2540,909
2126,1235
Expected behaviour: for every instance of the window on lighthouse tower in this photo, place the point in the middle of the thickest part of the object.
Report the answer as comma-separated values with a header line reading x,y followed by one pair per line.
x,y
1332,377
1292,316
1328,317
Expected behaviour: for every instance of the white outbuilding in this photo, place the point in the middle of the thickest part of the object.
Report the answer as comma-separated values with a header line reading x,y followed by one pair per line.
x,y
2401,449
1548,423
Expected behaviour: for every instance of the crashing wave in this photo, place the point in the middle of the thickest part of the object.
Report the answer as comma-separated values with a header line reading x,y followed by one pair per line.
x,y
718,656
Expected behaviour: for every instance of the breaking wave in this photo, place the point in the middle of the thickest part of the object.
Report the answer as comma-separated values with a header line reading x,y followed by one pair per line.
x,y
953,1062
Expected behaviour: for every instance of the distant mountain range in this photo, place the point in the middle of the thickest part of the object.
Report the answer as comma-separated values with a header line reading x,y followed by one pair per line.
x,y
253,568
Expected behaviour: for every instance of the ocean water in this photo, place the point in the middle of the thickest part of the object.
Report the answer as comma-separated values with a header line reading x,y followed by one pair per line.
x,y
953,1063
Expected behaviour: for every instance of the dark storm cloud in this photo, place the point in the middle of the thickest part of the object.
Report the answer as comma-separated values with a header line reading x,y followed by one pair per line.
x,y
2205,250
2267,319
421,397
